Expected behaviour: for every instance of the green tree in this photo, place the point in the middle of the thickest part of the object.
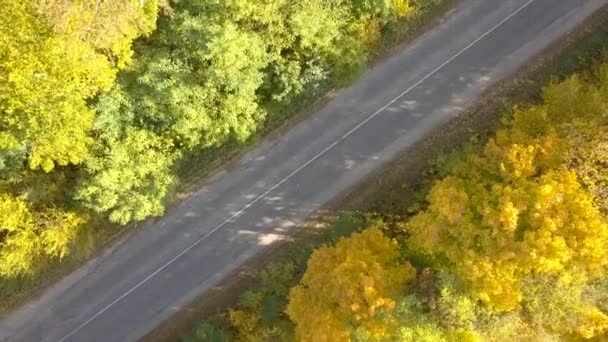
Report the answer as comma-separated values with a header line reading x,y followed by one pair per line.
x,y
130,182
563,304
408,321
207,77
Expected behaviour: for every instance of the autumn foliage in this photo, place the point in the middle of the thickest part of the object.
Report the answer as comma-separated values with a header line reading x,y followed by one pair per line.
x,y
55,57
346,285
527,206
101,100
510,244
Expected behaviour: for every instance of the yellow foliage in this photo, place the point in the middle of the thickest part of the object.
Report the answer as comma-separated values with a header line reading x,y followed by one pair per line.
x,y
588,157
28,234
246,321
44,87
54,57
403,8
370,32
596,324
345,285
495,221
107,26
526,207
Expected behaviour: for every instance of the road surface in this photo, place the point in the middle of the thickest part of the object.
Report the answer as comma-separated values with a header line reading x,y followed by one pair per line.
x,y
144,278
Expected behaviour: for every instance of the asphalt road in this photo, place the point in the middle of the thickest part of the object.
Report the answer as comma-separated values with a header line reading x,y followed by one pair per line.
x,y
162,265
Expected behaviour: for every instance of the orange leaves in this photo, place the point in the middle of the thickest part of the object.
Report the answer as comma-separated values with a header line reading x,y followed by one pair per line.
x,y
545,224
509,211
346,285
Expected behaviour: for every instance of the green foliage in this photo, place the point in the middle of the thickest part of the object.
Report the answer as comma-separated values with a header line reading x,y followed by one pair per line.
x,y
132,181
208,76
346,225
185,103
408,321
260,314
89,123
455,308
213,330
562,304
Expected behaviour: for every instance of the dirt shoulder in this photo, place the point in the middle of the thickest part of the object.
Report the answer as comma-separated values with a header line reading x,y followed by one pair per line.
x,y
398,182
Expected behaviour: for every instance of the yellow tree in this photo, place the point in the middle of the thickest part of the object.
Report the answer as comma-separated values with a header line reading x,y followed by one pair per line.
x,y
576,109
44,83
495,220
54,56
346,285
28,234
107,26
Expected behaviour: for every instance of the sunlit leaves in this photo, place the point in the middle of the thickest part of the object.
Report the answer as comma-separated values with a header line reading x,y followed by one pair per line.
x,y
29,233
345,285
44,83
500,231
72,136
108,27
129,177
208,76
519,222
54,58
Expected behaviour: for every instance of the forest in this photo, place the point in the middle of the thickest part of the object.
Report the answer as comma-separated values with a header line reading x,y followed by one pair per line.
x,y
101,100
509,243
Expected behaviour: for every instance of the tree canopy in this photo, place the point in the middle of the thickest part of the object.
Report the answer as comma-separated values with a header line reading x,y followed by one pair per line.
x,y
55,57
100,99
346,284
511,243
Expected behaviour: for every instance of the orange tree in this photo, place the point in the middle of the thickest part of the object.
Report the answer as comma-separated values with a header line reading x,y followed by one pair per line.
x,y
526,206
346,285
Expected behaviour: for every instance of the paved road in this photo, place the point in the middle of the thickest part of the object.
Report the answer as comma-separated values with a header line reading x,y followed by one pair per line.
x,y
163,265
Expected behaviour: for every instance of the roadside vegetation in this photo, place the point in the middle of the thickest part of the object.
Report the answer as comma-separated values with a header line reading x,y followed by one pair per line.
x,y
507,238
102,103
